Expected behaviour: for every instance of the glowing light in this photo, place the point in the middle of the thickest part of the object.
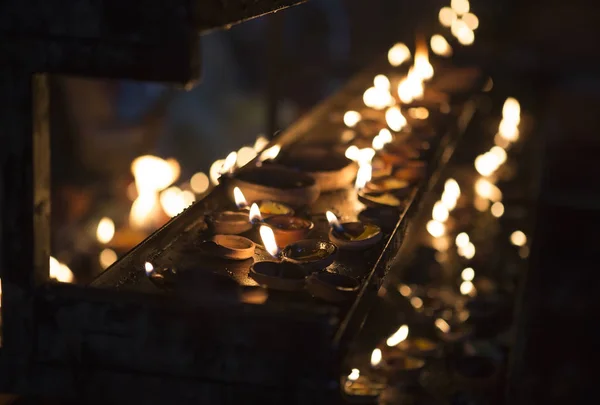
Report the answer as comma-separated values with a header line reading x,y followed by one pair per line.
x,y
440,212
172,201
268,239
148,268
107,257
499,153
411,87
466,36
395,119
404,290
199,183
467,288
398,54
60,271
442,325
468,252
187,197
353,376
106,230
351,118
377,98
365,155
230,162
239,198
468,274
378,143
398,337
460,6
422,67
508,130
254,216
451,187
511,111
449,200
484,188
365,171
471,20
462,240
486,164
382,82
260,143
270,154
416,302
144,210
497,209
481,204
518,238
376,357
418,113
352,152
385,135
215,170
245,155
435,228
333,221
447,16
440,46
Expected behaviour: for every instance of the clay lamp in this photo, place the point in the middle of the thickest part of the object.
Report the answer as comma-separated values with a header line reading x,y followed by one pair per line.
x,y
265,207
362,388
288,229
230,247
331,287
397,366
310,254
353,235
385,218
400,188
378,199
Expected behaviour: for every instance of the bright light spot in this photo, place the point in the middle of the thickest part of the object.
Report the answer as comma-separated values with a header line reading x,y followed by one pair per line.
x,y
416,302
451,187
376,357
468,274
508,130
239,198
439,212
365,155
435,228
422,67
353,376
518,238
497,209
481,204
411,87
351,118
385,135
440,46
268,239
399,336
188,198
365,171
467,288
230,162
404,290
60,271
499,153
270,154
245,155
449,200
107,257
462,240
440,244
447,16
418,113
471,20
352,152
144,209
382,82
378,143
460,6
260,143
511,111
484,188
395,119
466,37
442,325
254,216
215,170
398,54
347,135
199,183
468,252
172,201
485,164
149,268
106,230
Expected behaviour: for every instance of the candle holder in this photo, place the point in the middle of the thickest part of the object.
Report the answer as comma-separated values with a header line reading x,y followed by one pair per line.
x,y
355,235
380,200
228,222
385,218
362,389
332,287
231,247
283,276
288,229
310,254
399,367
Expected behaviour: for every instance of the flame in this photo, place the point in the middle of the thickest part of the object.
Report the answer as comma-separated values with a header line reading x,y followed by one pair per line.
x,y
511,110
416,302
395,119
351,118
271,153
462,240
149,268
447,16
398,337
411,87
254,216
497,209
518,238
365,155
435,228
440,212
365,171
378,143
60,271
143,210
245,155
268,239
484,188
239,198
468,274
215,170
377,98
173,201
442,325
353,376
230,162
105,231
376,357
440,46
404,290
422,67
382,82
333,221
199,183
471,20
260,143
107,257
467,288
460,6
508,131
398,54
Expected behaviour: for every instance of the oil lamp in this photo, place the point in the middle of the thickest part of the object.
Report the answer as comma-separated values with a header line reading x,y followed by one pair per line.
x,y
353,235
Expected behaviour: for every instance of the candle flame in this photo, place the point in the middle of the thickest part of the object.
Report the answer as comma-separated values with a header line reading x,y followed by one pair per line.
x,y
365,171
451,187
468,274
255,216
411,87
435,228
105,231
398,54
351,118
333,221
352,152
376,357
270,154
377,98
60,271
353,376
149,268
144,210
260,143
245,155
268,239
462,239
449,200
398,337
215,170
230,162
422,67
518,238
239,198
395,119
442,325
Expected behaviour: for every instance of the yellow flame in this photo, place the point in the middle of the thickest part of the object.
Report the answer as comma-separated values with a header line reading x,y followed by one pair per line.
x,y
435,228
497,209
422,67
440,46
462,240
254,216
229,163
499,153
467,288
215,170
508,130
382,82
199,183
486,164
398,337
260,143
239,198
398,54
460,6
376,357
107,257
518,238
440,212
351,118
271,153
148,268
333,220
353,376
395,119
447,16
245,155
471,20
60,271
365,171
442,325
268,239
105,230
468,274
